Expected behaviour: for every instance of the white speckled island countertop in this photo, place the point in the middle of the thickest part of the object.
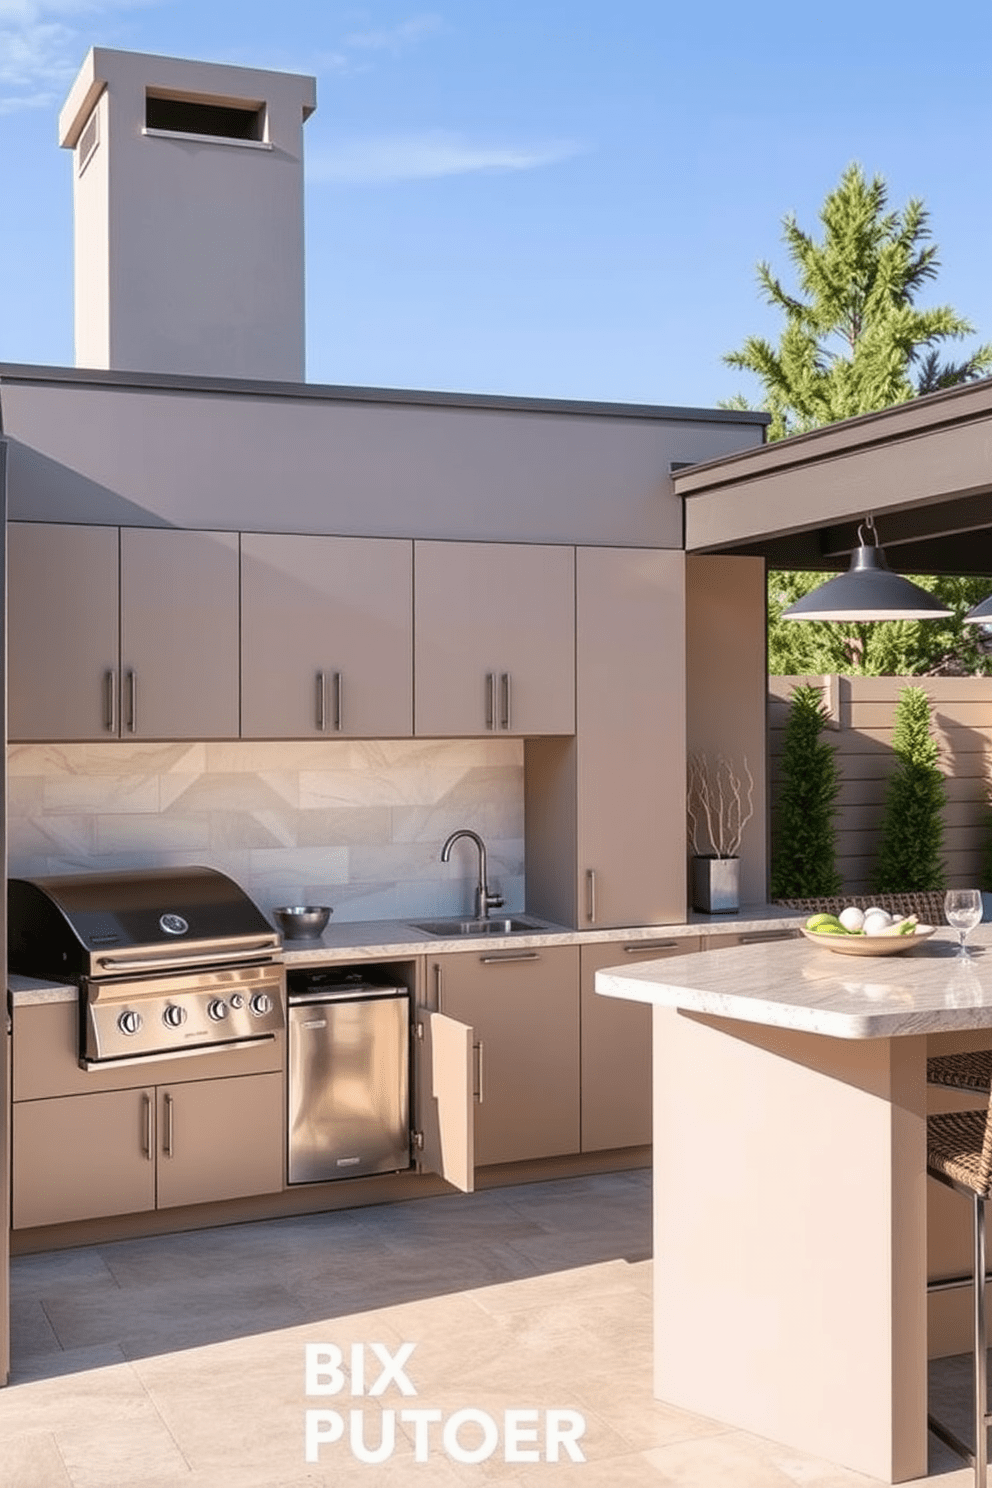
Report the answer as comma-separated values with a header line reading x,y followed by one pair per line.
x,y
800,985
792,1214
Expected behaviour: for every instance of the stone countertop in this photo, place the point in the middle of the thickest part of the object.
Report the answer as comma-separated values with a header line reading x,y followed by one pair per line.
x,y
369,940
799,985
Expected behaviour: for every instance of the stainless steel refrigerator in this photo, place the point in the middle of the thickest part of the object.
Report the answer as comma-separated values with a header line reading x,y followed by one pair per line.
x,y
349,1084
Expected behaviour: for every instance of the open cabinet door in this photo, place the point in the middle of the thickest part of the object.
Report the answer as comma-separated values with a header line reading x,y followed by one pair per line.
x,y
445,1084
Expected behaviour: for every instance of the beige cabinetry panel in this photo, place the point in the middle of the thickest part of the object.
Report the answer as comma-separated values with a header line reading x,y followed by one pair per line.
x,y
179,634
616,1048
83,1157
524,1009
122,632
63,609
123,1151
606,833
494,639
326,637
220,1139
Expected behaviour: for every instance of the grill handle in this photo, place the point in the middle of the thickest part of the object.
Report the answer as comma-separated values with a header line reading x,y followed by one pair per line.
x,y
261,951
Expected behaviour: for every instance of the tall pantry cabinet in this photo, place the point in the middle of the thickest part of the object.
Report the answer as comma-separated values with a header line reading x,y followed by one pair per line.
x,y
606,808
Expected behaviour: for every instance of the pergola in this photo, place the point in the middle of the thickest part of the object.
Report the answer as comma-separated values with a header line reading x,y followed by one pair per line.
x,y
923,469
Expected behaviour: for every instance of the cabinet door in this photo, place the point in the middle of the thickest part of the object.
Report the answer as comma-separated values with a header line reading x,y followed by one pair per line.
x,y
326,637
82,1157
524,1009
63,631
220,1139
445,1092
495,639
630,737
616,1048
179,634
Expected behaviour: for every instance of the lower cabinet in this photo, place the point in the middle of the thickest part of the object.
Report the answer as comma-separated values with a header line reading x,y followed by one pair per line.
x,y
616,1047
123,1151
523,1008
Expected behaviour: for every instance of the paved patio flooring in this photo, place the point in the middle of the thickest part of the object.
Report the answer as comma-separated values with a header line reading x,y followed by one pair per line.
x,y
178,1362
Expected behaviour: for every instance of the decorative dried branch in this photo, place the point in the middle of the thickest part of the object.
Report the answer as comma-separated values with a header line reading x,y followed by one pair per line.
x,y
719,805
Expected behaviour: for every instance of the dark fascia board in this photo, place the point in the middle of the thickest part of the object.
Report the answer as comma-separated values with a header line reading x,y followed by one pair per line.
x,y
963,404
330,393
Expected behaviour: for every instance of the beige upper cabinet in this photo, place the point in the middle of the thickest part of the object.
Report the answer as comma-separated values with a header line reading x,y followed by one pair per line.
x,y
606,829
179,634
495,639
63,608
326,637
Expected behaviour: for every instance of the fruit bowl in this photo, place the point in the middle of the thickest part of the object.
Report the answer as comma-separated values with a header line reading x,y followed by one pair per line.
x,y
870,945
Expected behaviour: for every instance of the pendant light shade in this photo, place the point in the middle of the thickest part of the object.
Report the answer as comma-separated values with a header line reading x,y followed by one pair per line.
x,y
868,591
981,614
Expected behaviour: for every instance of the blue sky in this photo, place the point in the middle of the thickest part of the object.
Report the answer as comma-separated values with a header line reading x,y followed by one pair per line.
x,y
552,198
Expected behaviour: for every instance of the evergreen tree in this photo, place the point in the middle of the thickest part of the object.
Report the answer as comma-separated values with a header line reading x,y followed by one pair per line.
x,y
912,833
803,854
854,339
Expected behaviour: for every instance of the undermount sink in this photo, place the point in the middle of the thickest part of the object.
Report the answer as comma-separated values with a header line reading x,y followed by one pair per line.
x,y
452,928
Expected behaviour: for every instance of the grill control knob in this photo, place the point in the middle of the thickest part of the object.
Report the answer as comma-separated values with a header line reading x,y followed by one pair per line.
x,y
174,1016
261,1004
237,1001
217,1010
129,1021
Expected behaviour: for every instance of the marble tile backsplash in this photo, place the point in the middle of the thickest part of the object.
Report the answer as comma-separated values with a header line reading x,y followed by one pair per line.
x,y
357,825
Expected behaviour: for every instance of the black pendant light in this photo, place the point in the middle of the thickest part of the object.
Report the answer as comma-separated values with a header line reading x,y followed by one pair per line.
x,y
869,591
980,614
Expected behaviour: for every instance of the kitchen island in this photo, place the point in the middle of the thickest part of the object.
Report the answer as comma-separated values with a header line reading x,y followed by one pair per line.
x,y
790,1236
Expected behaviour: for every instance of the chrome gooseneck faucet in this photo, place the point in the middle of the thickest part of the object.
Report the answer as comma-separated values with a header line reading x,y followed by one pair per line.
x,y
484,900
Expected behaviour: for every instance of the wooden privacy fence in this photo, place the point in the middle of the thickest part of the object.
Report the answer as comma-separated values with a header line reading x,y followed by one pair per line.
x,y
864,712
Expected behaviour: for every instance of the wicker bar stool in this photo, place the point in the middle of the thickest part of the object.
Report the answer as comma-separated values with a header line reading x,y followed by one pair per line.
x,y
962,1071
959,1154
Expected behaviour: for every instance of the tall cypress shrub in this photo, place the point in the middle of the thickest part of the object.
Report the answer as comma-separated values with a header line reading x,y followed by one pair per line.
x,y
912,834
803,859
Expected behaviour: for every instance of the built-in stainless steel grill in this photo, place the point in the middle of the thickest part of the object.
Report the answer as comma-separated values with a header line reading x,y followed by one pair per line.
x,y
167,962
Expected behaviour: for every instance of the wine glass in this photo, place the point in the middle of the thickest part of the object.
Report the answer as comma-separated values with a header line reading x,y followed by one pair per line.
x,y
963,908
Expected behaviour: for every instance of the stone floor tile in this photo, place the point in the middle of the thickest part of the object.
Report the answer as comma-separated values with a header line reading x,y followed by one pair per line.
x,y
32,1460
30,1330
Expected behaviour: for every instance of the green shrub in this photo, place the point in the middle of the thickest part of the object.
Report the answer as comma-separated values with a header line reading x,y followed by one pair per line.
x,y
803,857
912,833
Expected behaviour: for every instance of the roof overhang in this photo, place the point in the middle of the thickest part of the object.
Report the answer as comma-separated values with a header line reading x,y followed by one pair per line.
x,y
923,469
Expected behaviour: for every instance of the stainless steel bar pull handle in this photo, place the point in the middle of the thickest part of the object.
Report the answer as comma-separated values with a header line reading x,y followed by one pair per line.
x,y
646,947
146,1105
321,702
504,684
511,956
480,1050
132,702
438,984
591,895
338,703
167,1145
110,715
490,700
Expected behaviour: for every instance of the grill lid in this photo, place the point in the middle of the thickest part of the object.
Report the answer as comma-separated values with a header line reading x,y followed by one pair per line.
x,y
66,927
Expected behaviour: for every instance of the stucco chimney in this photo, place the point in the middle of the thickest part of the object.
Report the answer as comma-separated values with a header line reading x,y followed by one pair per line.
x,y
188,206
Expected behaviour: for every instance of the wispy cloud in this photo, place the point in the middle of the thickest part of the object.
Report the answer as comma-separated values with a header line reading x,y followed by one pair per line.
x,y
394,38
420,157
42,45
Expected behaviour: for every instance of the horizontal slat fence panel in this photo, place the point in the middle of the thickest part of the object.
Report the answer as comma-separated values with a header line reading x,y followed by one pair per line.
x,y
962,716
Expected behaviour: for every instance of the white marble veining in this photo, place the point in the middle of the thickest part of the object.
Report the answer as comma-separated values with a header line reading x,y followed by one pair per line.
x,y
357,824
800,985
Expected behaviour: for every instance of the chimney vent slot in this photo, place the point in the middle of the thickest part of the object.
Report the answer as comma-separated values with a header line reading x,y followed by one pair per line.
x,y
195,116
88,141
